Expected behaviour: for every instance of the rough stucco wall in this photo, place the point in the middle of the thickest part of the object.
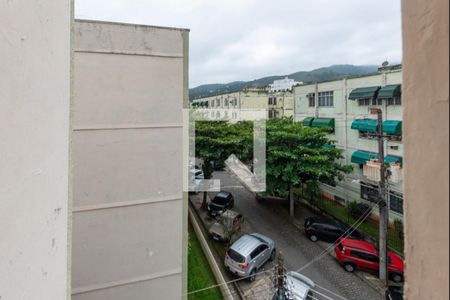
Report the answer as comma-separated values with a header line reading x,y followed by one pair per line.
x,y
34,148
129,87
426,139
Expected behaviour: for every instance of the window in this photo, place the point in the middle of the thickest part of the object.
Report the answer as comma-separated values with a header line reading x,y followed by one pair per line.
x,y
394,101
339,200
363,102
270,100
274,101
217,102
365,256
369,192
236,256
226,102
367,135
212,103
396,202
377,101
326,99
311,99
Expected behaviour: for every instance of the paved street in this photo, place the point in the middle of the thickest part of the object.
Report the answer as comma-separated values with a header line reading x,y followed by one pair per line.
x,y
269,218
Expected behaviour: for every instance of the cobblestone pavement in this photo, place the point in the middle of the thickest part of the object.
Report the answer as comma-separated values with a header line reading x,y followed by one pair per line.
x,y
264,217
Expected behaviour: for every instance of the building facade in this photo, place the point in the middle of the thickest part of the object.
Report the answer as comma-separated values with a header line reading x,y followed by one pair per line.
x,y
343,106
277,104
129,217
35,183
283,85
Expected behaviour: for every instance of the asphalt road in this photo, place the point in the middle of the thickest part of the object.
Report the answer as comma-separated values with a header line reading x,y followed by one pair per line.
x,y
270,218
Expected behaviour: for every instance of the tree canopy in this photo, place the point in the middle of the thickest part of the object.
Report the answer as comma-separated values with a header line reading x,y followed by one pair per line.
x,y
295,155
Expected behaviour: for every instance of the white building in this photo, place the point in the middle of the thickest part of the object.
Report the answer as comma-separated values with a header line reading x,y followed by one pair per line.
x,y
285,84
343,106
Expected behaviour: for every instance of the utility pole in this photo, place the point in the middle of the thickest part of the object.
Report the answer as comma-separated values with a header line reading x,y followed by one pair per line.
x,y
384,210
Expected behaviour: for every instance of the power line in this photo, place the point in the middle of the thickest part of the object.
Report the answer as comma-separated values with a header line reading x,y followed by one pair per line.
x,y
345,234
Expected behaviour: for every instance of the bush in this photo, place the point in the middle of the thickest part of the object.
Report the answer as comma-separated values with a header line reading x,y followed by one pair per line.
x,y
398,225
358,210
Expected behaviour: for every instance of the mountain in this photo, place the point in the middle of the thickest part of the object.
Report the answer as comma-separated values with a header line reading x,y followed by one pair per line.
x,y
322,74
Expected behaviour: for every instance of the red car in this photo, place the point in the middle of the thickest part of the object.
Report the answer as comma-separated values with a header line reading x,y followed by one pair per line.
x,y
359,255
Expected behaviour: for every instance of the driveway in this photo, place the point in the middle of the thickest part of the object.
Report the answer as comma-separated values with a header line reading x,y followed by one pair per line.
x,y
269,217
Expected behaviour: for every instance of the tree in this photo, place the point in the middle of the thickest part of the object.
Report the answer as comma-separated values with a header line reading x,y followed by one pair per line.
x,y
298,155
215,141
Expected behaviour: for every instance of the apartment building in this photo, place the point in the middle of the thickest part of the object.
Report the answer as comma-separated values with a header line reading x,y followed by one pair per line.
x,y
234,105
280,104
343,106
277,99
129,217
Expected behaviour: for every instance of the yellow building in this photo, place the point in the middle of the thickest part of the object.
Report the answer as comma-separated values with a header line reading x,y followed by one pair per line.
x,y
277,104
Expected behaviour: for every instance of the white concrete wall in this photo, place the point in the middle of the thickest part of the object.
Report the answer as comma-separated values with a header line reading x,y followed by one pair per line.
x,y
129,88
426,131
34,148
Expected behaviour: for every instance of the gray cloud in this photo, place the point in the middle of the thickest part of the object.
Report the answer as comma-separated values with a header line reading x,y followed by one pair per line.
x,y
247,39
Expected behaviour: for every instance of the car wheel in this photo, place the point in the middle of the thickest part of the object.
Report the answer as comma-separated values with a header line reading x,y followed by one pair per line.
x,y
397,278
273,255
252,276
313,238
349,267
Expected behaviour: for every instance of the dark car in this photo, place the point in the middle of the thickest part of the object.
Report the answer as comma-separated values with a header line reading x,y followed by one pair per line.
x,y
221,202
329,230
394,293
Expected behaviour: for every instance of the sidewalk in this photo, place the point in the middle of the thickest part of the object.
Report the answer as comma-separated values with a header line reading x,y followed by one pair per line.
x,y
262,288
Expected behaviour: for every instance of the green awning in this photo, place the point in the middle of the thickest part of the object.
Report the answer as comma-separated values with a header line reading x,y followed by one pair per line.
x,y
392,127
364,93
390,91
307,121
366,125
393,159
361,157
323,123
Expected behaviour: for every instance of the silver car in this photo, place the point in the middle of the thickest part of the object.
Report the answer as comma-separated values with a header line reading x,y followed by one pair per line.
x,y
248,254
298,287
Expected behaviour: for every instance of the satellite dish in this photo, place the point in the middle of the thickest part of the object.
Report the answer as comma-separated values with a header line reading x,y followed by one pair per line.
x,y
385,63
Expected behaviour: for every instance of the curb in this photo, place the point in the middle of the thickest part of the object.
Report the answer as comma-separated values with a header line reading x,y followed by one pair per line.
x,y
226,293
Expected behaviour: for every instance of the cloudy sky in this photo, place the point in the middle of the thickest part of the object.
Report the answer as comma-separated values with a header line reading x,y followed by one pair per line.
x,y
246,39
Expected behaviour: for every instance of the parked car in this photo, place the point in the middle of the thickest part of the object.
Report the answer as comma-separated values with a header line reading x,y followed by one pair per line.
x,y
197,173
217,166
394,292
329,230
248,254
228,224
359,255
221,203
299,286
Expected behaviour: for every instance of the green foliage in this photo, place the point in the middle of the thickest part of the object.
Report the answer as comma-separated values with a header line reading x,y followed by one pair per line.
x,y
398,224
299,155
217,140
200,275
296,155
358,209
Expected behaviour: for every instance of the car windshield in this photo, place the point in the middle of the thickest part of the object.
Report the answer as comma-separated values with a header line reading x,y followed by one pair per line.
x,y
236,256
